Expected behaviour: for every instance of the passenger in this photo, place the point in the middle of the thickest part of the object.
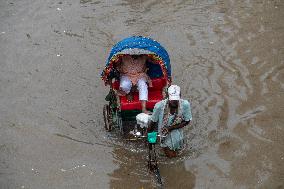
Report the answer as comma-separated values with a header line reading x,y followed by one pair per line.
x,y
171,115
133,73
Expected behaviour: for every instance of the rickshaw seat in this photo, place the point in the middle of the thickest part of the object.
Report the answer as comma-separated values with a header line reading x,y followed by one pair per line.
x,y
154,95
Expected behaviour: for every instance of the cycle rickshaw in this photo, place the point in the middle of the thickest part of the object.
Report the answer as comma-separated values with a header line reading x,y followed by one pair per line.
x,y
119,110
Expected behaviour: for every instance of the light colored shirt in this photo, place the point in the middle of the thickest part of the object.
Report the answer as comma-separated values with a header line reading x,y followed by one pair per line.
x,y
158,112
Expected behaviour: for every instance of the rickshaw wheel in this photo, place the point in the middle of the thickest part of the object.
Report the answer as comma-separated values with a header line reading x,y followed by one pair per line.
x,y
118,120
106,112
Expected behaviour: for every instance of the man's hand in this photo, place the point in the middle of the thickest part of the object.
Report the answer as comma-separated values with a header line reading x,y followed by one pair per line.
x,y
152,125
177,126
165,131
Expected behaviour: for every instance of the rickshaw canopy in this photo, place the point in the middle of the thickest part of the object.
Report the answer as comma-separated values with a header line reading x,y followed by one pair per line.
x,y
136,45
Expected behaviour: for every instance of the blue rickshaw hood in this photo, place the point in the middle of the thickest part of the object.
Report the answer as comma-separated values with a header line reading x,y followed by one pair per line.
x,y
139,45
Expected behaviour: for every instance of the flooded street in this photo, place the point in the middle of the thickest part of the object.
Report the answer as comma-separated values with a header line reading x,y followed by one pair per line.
x,y
227,56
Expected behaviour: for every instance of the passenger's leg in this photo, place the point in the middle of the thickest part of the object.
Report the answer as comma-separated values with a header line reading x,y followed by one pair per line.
x,y
143,93
125,85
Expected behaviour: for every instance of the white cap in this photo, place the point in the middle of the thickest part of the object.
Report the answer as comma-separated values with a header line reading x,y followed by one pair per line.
x,y
174,92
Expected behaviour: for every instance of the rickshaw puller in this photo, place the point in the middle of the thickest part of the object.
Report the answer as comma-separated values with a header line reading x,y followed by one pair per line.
x,y
133,73
171,115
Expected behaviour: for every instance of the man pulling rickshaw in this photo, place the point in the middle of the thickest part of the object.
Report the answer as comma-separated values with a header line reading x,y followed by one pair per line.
x,y
171,115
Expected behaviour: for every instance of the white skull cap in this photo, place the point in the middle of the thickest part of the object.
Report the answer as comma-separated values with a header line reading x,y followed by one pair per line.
x,y
174,92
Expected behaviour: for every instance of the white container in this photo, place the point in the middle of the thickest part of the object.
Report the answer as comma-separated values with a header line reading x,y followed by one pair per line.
x,y
142,120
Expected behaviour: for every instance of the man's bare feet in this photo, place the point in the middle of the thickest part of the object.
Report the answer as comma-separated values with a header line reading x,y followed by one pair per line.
x,y
146,112
121,92
129,97
143,104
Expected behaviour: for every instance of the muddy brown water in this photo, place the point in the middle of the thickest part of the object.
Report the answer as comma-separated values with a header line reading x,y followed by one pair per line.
x,y
227,56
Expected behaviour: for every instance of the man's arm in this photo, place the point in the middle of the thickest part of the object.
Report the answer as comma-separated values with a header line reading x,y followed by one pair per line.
x,y
186,115
166,130
154,117
178,126
152,126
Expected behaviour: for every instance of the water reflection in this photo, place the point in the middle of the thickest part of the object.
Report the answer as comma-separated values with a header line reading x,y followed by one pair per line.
x,y
177,176
133,171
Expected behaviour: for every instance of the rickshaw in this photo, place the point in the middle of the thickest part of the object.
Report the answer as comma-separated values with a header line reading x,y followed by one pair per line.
x,y
119,112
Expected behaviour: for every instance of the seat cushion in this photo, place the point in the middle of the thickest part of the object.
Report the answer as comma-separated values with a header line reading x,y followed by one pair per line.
x,y
158,84
154,95
135,104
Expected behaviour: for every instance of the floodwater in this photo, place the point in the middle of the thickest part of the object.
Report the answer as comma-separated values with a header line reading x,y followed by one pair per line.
x,y
227,56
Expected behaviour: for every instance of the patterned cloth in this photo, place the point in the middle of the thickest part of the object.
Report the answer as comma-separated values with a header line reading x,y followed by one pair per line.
x,y
174,140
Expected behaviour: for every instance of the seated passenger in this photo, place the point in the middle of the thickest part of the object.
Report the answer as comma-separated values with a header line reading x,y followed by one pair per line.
x,y
133,73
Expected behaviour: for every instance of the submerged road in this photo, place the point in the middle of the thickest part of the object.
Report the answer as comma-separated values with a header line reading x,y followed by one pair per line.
x,y
227,56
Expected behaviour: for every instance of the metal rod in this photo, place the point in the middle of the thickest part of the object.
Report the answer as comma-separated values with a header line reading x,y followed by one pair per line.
x,y
154,168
